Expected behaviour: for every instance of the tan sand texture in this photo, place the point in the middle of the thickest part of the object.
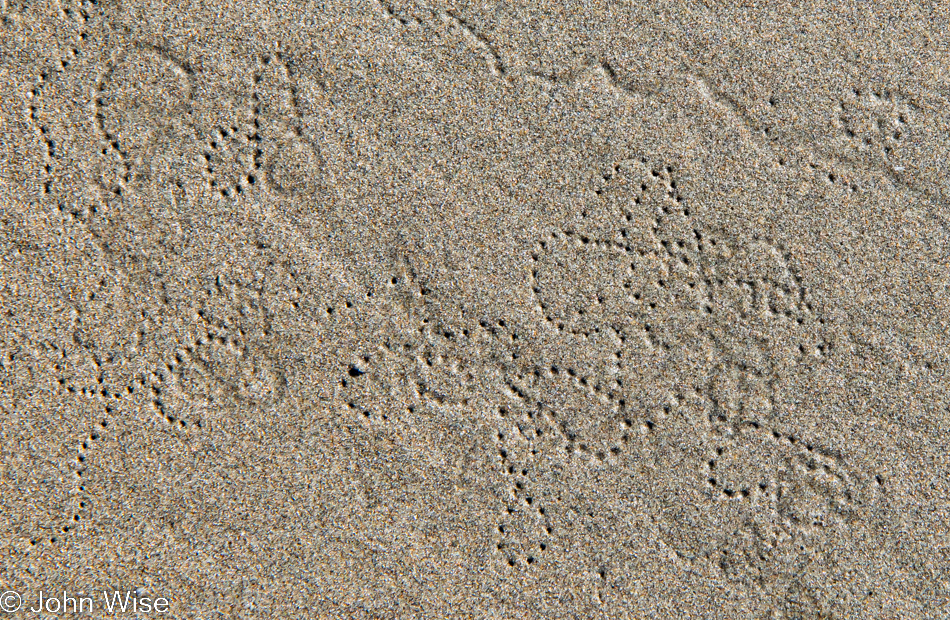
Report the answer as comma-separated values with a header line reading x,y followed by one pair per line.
x,y
397,309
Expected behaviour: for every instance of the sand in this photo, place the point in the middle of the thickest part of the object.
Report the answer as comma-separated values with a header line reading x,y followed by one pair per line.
x,y
389,309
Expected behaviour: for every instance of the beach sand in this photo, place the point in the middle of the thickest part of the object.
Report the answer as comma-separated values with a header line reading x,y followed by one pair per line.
x,y
388,309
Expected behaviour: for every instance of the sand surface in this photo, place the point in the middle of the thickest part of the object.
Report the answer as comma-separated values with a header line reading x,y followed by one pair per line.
x,y
395,309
